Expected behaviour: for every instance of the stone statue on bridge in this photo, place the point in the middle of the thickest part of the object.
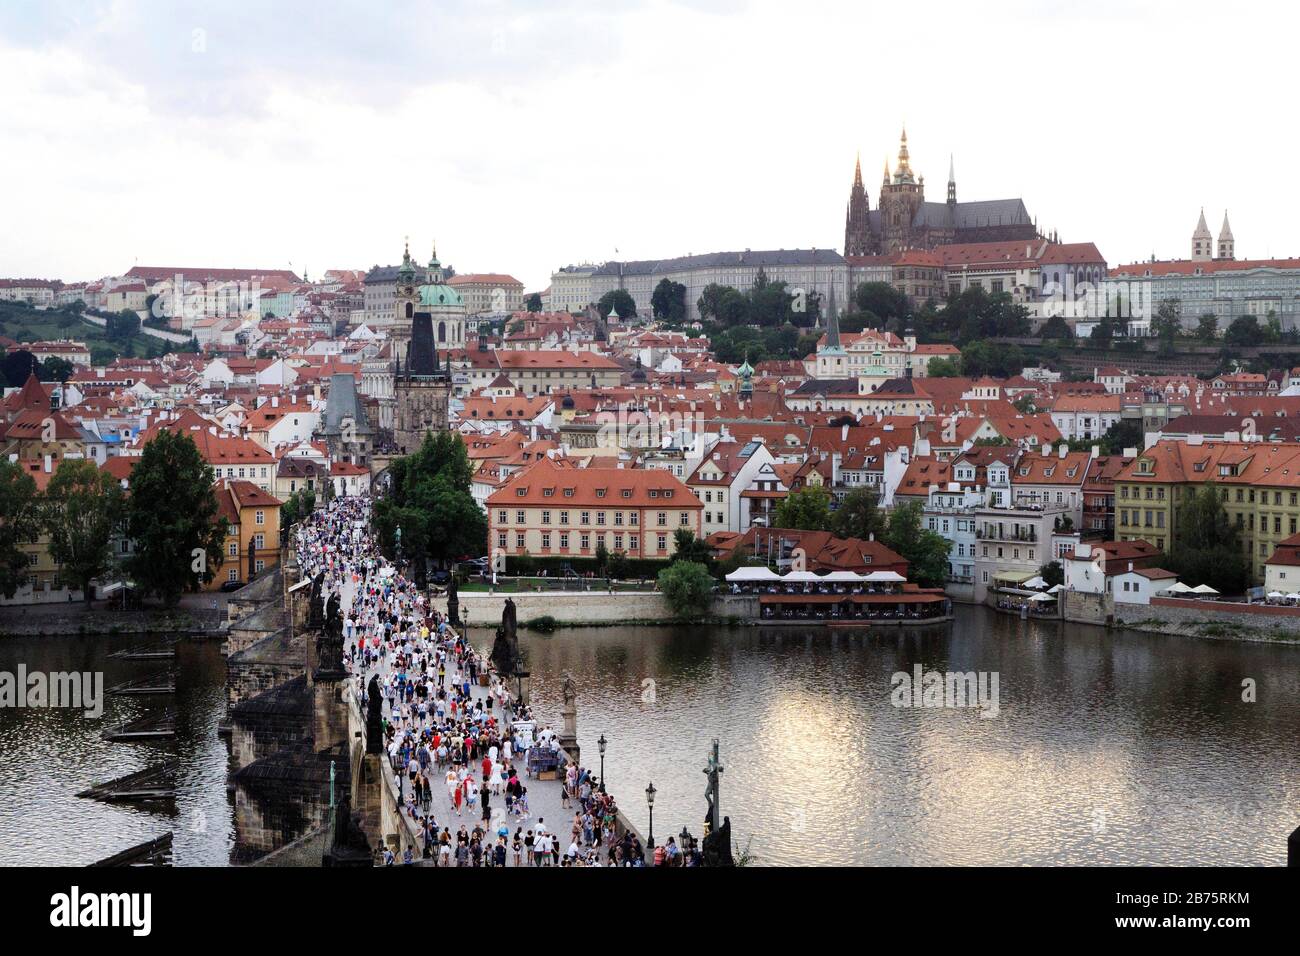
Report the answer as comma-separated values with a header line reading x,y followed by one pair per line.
x,y
453,602
505,649
374,717
316,603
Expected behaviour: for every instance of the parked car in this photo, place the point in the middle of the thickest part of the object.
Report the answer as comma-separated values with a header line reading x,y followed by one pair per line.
x,y
229,586
440,577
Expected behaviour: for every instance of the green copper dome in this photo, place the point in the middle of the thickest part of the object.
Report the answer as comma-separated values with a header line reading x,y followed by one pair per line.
x,y
439,295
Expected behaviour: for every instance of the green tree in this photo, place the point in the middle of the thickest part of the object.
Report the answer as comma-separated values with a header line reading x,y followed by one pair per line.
x,y
19,521
805,510
55,369
943,368
883,301
687,586
1056,328
926,551
173,518
300,504
858,516
602,557
1244,330
1167,322
687,547
668,301
533,302
1103,333
1207,544
432,504
1052,573
619,299
120,326
82,508
1207,327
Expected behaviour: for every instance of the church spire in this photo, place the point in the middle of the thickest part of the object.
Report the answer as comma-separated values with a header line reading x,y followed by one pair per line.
x,y
857,170
886,170
1227,245
952,181
1202,244
903,174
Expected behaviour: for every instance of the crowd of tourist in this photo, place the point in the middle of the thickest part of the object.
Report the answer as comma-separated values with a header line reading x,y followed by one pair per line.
x,y
450,721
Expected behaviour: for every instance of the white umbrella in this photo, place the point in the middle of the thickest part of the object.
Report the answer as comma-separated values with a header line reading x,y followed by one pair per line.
x,y
1178,587
1034,582
1273,595
1203,589
843,576
1293,596
1041,597
1055,587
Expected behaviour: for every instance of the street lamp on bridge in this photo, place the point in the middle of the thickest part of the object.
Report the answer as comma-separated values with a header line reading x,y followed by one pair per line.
x,y
650,802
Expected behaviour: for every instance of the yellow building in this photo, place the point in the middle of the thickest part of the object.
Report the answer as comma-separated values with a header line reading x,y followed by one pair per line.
x,y
252,544
1258,482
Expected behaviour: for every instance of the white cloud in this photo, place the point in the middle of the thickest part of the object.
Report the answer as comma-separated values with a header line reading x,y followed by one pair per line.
x,y
526,136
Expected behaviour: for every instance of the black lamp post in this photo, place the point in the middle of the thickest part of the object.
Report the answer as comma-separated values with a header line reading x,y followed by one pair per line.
x,y
600,745
650,802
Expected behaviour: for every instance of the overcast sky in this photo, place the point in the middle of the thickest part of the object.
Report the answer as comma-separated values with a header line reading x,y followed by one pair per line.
x,y
524,136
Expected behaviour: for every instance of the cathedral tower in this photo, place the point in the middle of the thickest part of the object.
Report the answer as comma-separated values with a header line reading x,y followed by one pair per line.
x,y
857,228
900,200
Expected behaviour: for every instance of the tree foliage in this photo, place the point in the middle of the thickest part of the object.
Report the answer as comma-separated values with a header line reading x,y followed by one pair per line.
x,y
926,551
82,508
173,518
687,586
858,516
19,520
617,299
805,510
669,301
431,503
1207,544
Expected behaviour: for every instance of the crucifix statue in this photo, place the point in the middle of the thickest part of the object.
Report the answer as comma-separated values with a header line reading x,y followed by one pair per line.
x,y
716,848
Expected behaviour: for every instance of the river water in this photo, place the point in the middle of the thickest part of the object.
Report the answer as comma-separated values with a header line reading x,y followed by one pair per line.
x,y
1108,747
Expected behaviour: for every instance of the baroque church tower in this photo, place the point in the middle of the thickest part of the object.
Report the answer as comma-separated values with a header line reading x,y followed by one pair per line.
x,y
421,383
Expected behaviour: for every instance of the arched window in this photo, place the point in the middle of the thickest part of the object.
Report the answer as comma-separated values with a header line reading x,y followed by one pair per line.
x,y
442,331
410,310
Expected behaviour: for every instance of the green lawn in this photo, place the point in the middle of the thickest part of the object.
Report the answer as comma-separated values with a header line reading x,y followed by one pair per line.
x,y
25,324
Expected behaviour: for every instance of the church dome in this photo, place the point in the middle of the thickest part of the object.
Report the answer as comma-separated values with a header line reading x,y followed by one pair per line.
x,y
440,295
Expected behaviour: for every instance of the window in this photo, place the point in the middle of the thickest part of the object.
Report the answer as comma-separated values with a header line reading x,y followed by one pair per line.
x,y
632,542
519,517
259,541
663,542
546,541
233,550
501,540
586,517
564,517
600,517
232,575
585,542
546,517
519,542
663,519
685,519
501,517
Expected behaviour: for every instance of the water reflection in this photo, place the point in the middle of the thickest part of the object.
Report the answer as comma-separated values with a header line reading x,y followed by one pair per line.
x,y
1109,748
47,756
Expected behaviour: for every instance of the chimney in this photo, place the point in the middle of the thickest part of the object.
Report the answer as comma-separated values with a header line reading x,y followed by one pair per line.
x,y
49,464
844,432
1065,450
1047,451
275,401
1096,451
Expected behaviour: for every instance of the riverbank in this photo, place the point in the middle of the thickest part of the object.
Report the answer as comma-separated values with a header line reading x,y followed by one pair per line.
x,y
76,620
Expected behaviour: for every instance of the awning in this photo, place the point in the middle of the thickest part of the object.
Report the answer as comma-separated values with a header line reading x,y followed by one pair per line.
x,y
1014,577
798,599
800,577
1203,589
753,573
1178,587
1035,582
884,576
1040,596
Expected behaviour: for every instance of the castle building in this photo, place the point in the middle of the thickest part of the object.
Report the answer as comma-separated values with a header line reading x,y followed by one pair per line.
x,y
904,219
